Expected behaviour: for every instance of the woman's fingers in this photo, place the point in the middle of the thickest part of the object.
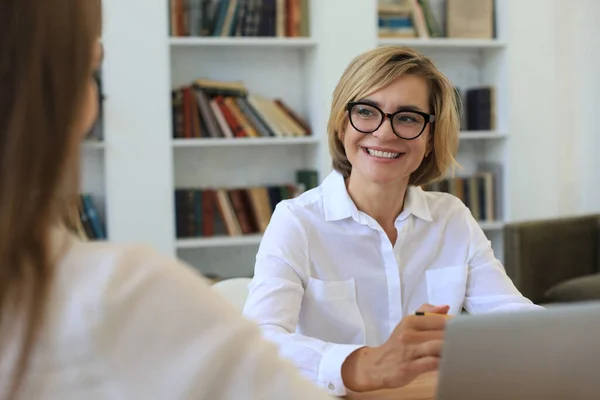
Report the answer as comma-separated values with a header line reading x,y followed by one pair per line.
x,y
428,308
423,365
431,348
426,322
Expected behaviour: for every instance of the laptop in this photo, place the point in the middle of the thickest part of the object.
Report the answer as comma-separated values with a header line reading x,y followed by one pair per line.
x,y
552,354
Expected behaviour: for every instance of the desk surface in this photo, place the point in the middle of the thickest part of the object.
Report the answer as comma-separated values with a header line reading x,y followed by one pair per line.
x,y
422,388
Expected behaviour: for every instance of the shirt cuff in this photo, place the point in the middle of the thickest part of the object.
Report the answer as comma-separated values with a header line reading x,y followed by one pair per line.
x,y
330,368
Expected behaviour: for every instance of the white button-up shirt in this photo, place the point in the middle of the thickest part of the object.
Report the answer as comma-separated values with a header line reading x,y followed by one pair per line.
x,y
328,280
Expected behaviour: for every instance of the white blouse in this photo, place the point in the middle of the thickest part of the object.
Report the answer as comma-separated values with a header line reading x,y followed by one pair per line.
x,y
124,322
328,281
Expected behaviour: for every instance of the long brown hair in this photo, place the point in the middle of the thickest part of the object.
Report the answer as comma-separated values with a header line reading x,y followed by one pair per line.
x,y
46,49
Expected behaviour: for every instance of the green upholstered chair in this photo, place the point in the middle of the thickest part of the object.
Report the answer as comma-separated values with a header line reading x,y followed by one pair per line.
x,y
556,260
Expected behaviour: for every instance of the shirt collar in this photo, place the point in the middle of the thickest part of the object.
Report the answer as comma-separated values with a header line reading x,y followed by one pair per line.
x,y
336,200
338,204
416,203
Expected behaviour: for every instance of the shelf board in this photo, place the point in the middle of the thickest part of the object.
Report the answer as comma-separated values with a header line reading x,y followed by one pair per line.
x,y
254,240
217,142
485,135
219,241
93,145
492,226
443,43
275,42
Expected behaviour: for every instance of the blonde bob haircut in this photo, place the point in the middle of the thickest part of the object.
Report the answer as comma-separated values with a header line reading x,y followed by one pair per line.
x,y
374,70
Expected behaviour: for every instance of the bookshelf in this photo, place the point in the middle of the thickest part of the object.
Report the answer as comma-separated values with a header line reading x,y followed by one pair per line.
x,y
93,178
92,210
298,70
299,62
269,67
135,171
469,63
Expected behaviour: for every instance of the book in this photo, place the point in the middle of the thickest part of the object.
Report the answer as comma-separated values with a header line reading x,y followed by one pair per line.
x,y
208,212
239,18
226,109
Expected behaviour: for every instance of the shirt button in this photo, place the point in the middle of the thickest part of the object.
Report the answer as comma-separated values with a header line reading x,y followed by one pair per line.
x,y
331,386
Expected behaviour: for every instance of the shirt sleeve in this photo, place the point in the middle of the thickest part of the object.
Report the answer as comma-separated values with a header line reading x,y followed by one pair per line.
x,y
275,298
164,334
488,286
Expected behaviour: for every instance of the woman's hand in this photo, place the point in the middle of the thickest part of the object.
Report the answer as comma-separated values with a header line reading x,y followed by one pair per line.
x,y
413,348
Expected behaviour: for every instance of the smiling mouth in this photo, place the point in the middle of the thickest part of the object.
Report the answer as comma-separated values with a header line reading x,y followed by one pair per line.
x,y
381,154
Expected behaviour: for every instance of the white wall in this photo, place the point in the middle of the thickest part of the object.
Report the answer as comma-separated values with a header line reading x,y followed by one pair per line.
x,y
588,66
554,67
139,169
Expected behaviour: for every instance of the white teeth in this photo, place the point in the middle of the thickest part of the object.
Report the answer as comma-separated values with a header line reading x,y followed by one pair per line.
x,y
382,154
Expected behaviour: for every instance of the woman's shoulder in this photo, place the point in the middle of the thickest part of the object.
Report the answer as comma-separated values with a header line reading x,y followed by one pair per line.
x,y
307,199
95,272
443,205
306,206
109,257
96,282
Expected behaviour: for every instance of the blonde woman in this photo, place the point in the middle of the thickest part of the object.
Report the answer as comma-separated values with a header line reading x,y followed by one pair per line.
x,y
342,269
95,320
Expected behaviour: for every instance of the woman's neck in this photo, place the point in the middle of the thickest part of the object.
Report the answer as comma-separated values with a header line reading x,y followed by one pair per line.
x,y
383,202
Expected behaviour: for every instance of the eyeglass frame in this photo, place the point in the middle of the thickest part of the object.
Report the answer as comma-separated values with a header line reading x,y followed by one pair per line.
x,y
429,118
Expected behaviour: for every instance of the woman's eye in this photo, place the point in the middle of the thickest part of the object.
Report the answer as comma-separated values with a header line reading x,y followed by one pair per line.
x,y
408,119
365,113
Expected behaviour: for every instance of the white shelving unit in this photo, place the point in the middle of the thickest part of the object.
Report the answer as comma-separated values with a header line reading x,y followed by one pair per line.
x,y
470,63
302,71
139,166
292,69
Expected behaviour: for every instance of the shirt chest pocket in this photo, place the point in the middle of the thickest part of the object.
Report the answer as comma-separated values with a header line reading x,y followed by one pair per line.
x,y
447,286
330,312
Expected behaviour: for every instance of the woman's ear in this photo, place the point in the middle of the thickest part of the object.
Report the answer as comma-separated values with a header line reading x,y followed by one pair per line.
x,y
341,132
429,147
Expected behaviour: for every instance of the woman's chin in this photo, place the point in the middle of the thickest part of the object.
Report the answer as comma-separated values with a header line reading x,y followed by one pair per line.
x,y
382,176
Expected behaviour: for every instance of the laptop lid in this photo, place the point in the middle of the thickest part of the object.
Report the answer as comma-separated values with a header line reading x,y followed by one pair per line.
x,y
551,354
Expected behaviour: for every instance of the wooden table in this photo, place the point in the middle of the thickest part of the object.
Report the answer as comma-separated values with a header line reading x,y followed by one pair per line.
x,y
422,388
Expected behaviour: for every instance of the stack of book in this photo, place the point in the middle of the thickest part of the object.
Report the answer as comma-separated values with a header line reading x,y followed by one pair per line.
x,y
480,192
207,212
90,225
229,212
283,18
219,109
407,18
480,112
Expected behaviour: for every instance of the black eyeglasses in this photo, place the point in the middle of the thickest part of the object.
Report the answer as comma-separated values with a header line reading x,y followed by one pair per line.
x,y
407,123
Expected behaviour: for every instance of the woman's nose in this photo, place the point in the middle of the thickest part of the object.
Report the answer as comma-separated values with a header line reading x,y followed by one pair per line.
x,y
385,130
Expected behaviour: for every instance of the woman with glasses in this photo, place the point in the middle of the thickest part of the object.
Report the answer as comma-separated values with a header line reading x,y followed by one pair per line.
x,y
343,268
